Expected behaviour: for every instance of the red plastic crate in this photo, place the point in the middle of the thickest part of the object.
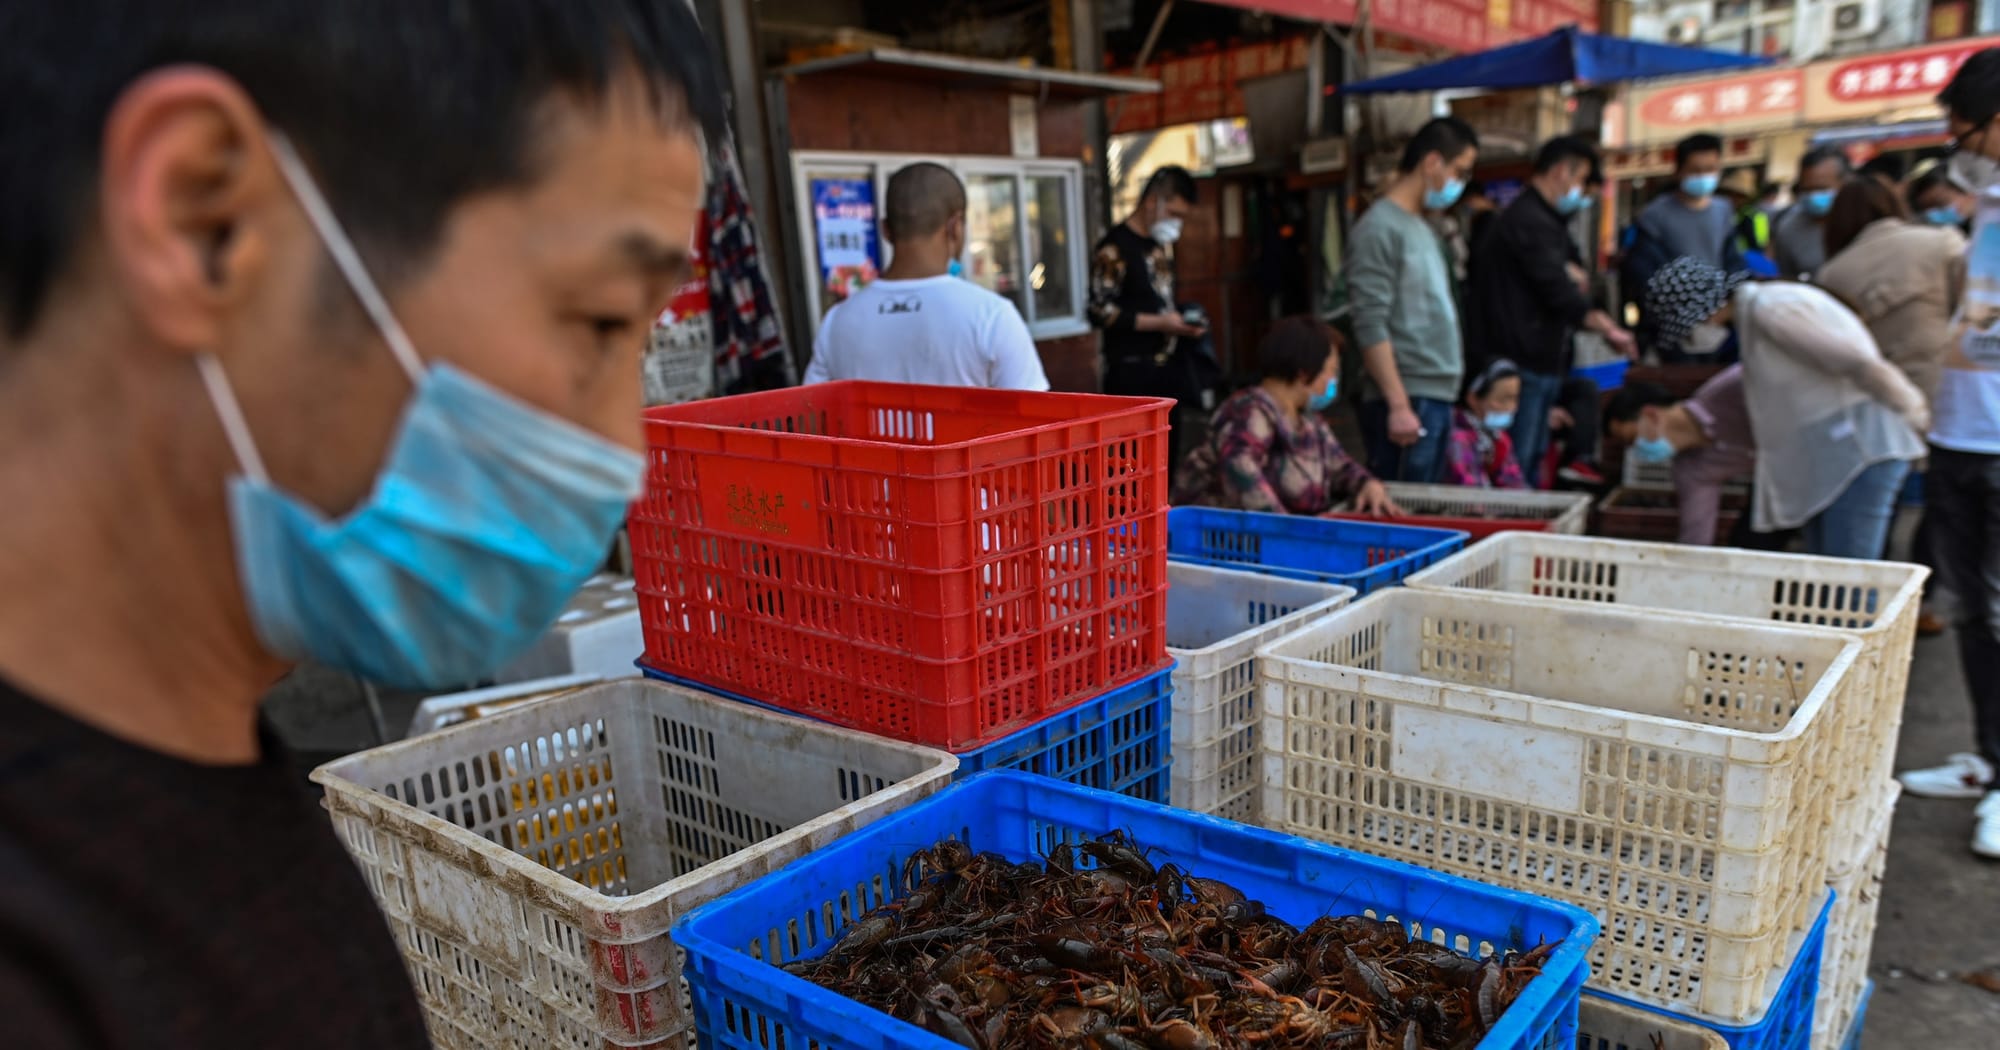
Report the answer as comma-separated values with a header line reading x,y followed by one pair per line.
x,y
934,564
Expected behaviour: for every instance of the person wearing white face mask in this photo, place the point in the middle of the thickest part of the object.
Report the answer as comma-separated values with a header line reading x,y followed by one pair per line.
x,y
1147,344
1405,316
1962,487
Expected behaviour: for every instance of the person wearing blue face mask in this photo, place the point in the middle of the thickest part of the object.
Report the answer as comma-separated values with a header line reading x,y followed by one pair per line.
x,y
1480,454
1269,447
1405,314
1938,200
921,322
1798,241
1526,302
321,327
1688,220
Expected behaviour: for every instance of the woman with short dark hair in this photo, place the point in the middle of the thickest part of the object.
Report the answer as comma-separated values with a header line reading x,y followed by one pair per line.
x,y
1269,447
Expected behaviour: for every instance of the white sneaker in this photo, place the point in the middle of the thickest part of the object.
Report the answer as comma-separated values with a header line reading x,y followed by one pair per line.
x,y
1986,826
1963,775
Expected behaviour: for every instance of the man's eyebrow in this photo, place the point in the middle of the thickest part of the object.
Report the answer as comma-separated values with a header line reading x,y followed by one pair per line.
x,y
651,255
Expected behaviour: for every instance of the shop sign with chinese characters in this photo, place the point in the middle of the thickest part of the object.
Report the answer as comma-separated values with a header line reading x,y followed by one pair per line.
x,y
1721,104
1869,85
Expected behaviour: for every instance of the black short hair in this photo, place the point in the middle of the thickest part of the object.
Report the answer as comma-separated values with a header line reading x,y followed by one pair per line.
x,y
1625,402
401,107
1174,181
1888,166
1974,92
1700,142
1296,348
1819,155
1445,136
920,200
1932,178
1565,148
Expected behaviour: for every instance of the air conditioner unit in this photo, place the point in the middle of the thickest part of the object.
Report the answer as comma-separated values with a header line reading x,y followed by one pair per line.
x,y
1855,19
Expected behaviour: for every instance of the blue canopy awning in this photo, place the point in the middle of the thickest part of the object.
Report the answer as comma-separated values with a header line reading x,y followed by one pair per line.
x,y
1566,55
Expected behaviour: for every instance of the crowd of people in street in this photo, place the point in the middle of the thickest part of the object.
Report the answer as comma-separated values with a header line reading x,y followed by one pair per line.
x,y
1836,324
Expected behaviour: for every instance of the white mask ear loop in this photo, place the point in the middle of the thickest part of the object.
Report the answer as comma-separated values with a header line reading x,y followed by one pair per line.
x,y
231,414
345,257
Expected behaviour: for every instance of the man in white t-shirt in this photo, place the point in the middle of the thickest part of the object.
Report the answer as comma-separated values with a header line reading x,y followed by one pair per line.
x,y
920,323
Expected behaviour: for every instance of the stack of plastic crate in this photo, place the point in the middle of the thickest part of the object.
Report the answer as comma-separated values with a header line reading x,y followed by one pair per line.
x,y
1216,619
982,571
1480,513
1665,772
1364,555
1876,603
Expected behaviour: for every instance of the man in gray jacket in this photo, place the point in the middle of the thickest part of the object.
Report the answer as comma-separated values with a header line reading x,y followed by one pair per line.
x,y
1405,317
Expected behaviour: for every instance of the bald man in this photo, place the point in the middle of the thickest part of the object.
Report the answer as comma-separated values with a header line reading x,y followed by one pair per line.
x,y
920,323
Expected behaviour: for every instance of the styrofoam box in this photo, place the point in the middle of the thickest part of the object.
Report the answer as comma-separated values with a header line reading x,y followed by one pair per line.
x,y
1666,772
1604,1024
597,633
531,862
1216,619
1850,933
1566,512
1876,602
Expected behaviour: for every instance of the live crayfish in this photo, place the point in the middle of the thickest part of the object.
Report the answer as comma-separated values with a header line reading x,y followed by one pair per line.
x,y
1098,947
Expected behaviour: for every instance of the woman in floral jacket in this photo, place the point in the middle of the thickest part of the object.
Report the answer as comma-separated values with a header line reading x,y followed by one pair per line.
x,y
1269,447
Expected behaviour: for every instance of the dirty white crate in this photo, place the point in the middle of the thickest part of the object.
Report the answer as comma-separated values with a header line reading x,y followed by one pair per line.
x,y
1638,475
1216,619
598,633
1876,602
1850,931
1603,1024
449,709
1565,512
1666,772
531,862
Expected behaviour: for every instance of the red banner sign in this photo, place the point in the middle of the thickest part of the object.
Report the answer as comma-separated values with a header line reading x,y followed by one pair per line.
x,y
1725,100
1919,72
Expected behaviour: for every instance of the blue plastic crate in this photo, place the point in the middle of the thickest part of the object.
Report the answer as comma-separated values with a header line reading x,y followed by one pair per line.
x,y
1787,1024
742,1001
1853,1039
1120,741
1608,376
1364,555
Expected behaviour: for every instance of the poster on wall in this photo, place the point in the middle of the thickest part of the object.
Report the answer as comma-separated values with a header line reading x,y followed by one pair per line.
x,y
844,231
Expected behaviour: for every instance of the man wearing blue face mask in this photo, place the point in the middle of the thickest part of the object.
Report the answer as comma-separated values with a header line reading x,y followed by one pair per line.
x,y
1405,316
1688,220
1526,303
321,327
1798,242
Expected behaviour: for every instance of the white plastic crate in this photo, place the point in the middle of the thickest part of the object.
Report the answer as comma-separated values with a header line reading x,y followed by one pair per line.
x,y
1666,772
1602,1024
1637,475
1876,602
1850,932
1216,619
531,862
1565,512
449,709
597,633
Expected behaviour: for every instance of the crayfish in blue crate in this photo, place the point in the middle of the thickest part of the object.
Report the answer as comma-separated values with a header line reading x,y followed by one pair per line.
x,y
1097,947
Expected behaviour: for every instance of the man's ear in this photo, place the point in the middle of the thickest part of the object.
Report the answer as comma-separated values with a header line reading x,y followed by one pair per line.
x,y
185,190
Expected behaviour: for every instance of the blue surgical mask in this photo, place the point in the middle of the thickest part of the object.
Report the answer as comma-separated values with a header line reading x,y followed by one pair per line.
x,y
1571,202
1324,400
1653,450
1445,196
1818,202
486,517
954,268
1944,215
1498,420
1701,185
